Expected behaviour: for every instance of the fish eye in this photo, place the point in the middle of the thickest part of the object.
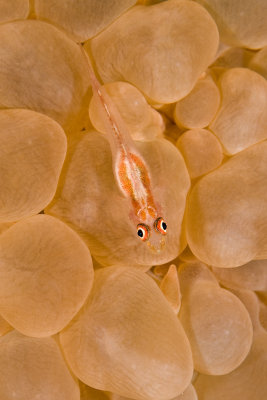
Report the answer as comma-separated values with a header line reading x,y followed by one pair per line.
x,y
160,226
143,232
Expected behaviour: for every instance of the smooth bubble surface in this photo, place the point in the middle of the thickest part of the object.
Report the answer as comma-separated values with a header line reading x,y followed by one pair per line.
x,y
113,343
4,226
142,121
188,394
233,57
216,323
45,275
166,312
81,19
32,368
252,276
199,107
58,81
241,22
194,272
15,9
242,117
32,151
165,62
201,150
226,218
248,381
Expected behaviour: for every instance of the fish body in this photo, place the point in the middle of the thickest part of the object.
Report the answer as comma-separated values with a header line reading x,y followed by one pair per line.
x,y
130,169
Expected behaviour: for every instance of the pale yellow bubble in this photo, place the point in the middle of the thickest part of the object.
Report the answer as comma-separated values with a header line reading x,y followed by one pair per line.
x,y
142,121
242,117
81,19
43,70
252,304
32,151
201,150
32,368
113,343
123,334
162,49
192,272
215,321
226,217
199,107
46,274
12,10
252,276
241,23
233,57
188,394
248,381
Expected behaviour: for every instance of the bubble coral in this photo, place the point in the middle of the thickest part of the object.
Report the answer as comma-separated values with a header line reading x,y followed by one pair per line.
x,y
248,381
34,368
58,82
188,394
259,62
12,10
201,150
107,340
45,275
130,322
32,151
233,57
170,287
81,19
198,108
242,118
241,23
252,276
226,218
90,200
216,323
164,63
143,122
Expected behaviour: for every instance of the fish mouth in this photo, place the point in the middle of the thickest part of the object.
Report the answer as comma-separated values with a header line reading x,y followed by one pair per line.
x,y
155,249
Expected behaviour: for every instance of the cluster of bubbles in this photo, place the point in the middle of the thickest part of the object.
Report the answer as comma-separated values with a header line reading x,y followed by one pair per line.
x,y
87,311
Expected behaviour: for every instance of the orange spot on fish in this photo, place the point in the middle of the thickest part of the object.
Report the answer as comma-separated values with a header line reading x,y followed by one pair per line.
x,y
134,182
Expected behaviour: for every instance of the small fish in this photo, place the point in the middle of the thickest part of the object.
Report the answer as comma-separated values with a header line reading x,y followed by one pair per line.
x,y
130,170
